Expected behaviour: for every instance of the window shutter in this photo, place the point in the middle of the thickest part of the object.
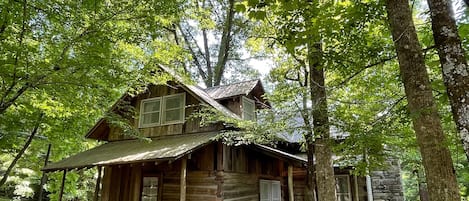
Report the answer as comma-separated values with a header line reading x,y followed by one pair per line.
x,y
249,109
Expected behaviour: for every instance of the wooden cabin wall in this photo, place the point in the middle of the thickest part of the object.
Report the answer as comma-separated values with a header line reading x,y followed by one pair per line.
x,y
299,184
236,180
233,104
191,125
240,186
242,170
121,183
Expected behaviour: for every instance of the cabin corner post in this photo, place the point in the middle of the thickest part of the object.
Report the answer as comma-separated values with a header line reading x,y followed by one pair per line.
x,y
183,179
62,185
290,183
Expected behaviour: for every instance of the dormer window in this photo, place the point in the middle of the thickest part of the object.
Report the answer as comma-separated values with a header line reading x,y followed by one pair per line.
x,y
162,110
249,109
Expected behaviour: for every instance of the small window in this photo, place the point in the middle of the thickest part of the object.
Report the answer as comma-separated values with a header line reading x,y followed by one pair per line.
x,y
150,112
173,108
249,109
342,188
162,110
270,190
149,189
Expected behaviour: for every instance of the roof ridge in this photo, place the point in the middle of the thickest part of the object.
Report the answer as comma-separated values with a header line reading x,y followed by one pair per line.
x,y
218,86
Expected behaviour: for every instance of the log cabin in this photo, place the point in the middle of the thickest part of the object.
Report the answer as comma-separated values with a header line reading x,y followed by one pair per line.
x,y
184,159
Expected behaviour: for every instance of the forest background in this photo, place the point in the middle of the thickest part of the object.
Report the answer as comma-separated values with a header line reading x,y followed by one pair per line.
x,y
64,63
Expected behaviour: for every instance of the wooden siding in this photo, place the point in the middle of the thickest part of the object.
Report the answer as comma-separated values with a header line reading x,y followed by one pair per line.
x,y
190,125
233,104
205,180
299,184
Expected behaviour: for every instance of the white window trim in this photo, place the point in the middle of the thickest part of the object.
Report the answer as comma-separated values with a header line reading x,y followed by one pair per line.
x,y
348,186
162,110
270,182
140,120
244,111
182,107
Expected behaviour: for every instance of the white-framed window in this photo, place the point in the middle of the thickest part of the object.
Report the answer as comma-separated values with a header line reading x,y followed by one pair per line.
x,y
249,109
150,112
342,188
149,189
173,108
162,110
270,190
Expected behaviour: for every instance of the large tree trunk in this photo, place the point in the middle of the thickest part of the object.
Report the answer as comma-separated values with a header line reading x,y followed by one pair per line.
x,y
453,64
310,190
325,180
441,180
224,44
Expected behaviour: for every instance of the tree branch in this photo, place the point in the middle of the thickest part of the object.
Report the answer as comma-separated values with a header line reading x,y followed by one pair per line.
x,y
375,64
22,151
224,44
194,55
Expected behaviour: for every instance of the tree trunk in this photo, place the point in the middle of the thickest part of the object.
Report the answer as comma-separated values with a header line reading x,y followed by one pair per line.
x,y
20,153
441,180
454,65
310,190
224,45
325,180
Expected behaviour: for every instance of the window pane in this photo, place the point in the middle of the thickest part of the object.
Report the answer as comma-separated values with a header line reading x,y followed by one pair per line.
x,y
249,106
276,193
342,184
173,115
151,106
151,118
173,102
248,109
150,189
265,190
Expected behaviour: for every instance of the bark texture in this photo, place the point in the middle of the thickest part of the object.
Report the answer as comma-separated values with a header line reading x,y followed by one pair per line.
x,y
441,180
325,180
454,65
224,44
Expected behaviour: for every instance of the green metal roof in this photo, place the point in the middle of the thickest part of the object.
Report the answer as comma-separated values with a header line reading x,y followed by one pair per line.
x,y
130,151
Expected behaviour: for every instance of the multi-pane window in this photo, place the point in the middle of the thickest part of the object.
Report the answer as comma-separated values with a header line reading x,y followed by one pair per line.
x,y
249,109
149,189
342,188
173,108
150,112
270,190
162,110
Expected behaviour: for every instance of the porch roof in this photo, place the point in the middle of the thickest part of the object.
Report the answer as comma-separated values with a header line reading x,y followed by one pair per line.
x,y
132,151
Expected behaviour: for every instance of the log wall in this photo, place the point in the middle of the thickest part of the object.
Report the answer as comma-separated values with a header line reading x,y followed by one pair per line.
x,y
206,179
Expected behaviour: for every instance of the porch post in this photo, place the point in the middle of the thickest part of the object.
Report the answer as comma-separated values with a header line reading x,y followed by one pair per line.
x,y
62,185
183,179
290,183
369,189
44,174
98,183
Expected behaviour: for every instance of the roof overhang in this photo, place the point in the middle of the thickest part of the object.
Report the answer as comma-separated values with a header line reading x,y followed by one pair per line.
x,y
134,151
296,160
